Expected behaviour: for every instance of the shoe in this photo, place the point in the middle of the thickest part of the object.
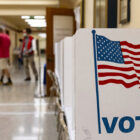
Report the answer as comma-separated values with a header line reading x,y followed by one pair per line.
x,y
8,84
27,79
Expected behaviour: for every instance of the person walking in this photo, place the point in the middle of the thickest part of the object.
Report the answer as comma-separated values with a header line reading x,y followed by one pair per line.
x,y
28,54
4,56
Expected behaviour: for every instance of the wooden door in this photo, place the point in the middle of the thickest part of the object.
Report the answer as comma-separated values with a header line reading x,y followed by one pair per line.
x,y
51,13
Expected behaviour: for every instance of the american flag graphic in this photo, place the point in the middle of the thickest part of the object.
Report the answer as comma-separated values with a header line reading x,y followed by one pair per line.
x,y
118,62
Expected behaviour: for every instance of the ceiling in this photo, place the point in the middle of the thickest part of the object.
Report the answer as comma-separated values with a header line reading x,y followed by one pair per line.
x,y
38,3
32,7
12,10
16,20
29,2
17,23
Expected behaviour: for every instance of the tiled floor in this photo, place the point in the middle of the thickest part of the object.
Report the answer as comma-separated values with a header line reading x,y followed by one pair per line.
x,y
22,116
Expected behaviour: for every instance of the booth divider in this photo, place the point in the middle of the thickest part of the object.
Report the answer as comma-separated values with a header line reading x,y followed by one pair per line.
x,y
95,108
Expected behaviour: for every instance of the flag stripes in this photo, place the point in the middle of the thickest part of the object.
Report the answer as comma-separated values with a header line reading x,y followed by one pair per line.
x,y
112,72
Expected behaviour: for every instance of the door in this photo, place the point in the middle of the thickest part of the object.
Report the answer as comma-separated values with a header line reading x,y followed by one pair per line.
x,y
60,23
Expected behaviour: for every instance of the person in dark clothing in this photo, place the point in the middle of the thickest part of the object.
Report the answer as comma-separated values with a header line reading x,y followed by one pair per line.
x,y
20,59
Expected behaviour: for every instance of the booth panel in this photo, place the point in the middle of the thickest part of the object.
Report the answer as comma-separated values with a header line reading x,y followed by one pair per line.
x,y
107,110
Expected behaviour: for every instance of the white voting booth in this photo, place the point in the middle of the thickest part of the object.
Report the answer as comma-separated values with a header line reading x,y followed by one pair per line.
x,y
59,66
64,69
98,108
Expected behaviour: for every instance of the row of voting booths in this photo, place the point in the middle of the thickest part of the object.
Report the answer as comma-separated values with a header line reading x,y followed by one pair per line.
x,y
99,75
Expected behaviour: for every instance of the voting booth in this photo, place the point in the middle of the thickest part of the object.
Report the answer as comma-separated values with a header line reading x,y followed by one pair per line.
x,y
64,69
59,66
101,84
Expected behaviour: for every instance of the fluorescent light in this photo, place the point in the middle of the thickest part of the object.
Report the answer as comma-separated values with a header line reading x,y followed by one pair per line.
x,y
36,22
39,17
25,17
43,35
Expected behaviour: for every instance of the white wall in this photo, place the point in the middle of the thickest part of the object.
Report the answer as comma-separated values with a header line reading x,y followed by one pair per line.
x,y
135,19
42,43
135,16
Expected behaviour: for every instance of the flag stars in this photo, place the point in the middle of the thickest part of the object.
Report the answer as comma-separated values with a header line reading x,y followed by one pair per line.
x,y
109,50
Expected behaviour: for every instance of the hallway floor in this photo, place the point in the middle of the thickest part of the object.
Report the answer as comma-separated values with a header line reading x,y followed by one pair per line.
x,y
22,116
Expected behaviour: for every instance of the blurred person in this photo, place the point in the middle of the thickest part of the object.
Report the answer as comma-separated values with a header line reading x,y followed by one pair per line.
x,y
8,33
20,59
4,56
28,54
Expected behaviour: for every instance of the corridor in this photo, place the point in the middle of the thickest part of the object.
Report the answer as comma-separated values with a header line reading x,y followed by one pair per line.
x,y
22,116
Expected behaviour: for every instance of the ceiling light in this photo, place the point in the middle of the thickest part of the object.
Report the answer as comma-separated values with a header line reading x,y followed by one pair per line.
x,y
39,17
25,17
36,22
